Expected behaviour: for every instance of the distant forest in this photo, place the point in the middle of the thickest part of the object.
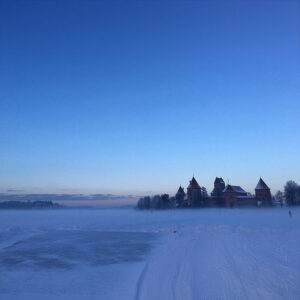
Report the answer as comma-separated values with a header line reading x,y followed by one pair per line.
x,y
29,205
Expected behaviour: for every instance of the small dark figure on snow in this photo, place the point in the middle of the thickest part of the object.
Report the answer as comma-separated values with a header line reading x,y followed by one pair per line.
x,y
290,213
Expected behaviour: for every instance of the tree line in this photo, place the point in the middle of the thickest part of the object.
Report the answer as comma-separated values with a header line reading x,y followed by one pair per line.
x,y
164,201
156,202
290,195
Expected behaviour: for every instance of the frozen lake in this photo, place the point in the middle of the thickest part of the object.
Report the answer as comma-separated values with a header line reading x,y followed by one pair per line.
x,y
128,254
66,249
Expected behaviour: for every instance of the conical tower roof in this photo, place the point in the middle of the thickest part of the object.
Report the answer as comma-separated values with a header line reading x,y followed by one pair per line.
x,y
180,190
261,185
193,183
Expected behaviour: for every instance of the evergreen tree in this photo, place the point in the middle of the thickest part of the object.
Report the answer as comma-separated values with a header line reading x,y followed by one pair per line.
x,y
144,203
165,201
291,193
279,197
172,202
179,199
204,195
156,202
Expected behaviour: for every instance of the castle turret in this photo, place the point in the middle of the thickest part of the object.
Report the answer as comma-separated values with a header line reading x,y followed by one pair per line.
x,y
263,193
179,197
194,192
217,197
180,191
219,182
219,186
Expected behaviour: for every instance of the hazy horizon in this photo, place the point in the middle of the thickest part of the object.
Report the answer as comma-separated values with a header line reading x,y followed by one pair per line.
x,y
169,188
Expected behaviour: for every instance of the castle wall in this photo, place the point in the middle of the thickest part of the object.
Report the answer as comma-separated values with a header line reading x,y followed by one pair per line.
x,y
246,202
230,199
264,196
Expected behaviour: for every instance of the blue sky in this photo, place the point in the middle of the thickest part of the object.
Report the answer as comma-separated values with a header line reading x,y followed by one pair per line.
x,y
135,97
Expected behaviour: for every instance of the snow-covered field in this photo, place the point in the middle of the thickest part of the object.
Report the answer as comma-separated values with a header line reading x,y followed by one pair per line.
x,y
127,254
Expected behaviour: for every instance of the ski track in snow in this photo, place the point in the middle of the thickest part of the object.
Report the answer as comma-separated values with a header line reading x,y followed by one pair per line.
x,y
140,282
222,262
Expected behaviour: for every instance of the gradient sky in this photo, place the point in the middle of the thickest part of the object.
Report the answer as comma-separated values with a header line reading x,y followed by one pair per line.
x,y
135,97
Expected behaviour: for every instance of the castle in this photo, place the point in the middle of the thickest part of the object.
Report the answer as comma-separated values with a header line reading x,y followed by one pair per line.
x,y
223,195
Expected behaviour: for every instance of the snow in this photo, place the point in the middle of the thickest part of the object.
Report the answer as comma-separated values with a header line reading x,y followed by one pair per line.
x,y
128,254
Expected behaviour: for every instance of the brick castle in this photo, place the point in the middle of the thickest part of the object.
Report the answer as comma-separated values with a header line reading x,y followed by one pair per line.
x,y
223,195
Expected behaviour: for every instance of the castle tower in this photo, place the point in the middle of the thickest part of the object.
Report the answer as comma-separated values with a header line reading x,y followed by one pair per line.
x,y
219,183
179,197
219,186
180,191
217,196
194,192
263,193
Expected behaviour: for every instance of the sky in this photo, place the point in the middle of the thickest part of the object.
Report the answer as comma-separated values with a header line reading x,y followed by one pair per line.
x,y
136,97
